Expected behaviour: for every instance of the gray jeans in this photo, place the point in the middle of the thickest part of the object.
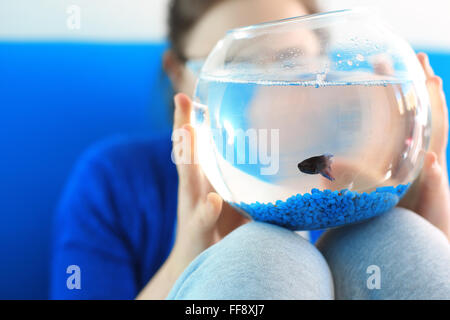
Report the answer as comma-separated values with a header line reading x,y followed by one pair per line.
x,y
398,255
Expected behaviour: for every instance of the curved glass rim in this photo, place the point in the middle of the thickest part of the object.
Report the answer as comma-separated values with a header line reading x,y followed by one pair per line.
x,y
305,17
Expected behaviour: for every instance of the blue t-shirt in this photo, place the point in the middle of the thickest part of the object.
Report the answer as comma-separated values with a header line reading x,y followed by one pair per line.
x,y
116,220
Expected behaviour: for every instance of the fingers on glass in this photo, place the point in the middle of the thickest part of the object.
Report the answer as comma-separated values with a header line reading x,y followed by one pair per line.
x,y
425,62
182,110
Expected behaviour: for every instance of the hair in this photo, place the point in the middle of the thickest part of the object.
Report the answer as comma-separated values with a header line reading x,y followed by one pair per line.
x,y
184,14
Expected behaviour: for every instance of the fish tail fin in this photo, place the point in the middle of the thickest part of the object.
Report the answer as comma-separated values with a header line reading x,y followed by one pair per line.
x,y
327,174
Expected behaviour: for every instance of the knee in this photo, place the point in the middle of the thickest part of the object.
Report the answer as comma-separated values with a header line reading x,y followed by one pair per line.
x,y
399,244
398,227
269,247
258,261
260,239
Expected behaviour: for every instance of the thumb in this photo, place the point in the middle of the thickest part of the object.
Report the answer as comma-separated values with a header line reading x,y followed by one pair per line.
x,y
211,210
182,112
432,173
434,198
428,192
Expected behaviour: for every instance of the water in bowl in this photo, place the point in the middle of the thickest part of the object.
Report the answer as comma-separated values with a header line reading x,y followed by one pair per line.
x,y
252,135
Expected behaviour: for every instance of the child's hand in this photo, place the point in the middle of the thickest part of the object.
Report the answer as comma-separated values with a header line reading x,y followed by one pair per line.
x,y
429,195
203,218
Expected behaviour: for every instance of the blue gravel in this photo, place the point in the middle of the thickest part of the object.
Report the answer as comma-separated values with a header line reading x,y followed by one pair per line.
x,y
325,209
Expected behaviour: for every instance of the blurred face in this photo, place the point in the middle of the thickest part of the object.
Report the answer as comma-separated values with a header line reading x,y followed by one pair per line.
x,y
213,26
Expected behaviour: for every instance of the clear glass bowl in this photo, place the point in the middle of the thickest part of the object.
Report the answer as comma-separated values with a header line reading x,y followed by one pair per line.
x,y
313,121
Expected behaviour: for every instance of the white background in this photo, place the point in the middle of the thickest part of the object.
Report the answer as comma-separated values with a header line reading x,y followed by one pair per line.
x,y
426,24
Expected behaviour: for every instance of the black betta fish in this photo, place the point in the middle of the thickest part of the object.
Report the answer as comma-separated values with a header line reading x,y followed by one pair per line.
x,y
319,164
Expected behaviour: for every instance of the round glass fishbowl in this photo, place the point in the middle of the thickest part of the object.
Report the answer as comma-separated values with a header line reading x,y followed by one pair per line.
x,y
314,121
